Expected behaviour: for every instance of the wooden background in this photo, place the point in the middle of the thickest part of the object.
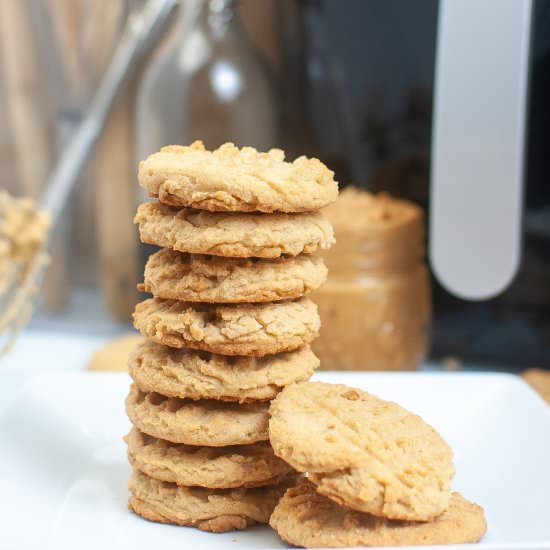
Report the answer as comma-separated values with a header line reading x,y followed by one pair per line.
x,y
52,54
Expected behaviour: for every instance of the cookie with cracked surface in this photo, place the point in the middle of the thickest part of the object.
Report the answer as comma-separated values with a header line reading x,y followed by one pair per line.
x,y
303,517
230,179
214,467
196,374
236,329
215,510
201,278
371,455
234,235
206,422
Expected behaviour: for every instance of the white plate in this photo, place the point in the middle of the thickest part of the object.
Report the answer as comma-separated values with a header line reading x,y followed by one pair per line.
x,y
63,467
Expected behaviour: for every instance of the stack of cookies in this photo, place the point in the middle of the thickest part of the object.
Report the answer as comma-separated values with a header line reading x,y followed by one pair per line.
x,y
227,328
378,474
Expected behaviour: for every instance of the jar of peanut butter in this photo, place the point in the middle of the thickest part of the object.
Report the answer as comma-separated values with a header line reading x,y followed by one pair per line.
x,y
375,307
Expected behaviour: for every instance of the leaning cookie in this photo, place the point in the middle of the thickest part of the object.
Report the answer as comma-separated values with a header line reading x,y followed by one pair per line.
x,y
371,455
214,467
233,235
237,329
199,278
206,422
236,180
195,374
303,517
215,510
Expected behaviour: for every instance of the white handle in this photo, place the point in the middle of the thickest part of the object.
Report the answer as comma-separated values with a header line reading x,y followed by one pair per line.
x,y
478,144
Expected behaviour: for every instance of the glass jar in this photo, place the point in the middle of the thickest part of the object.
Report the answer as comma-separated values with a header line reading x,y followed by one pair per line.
x,y
375,307
207,82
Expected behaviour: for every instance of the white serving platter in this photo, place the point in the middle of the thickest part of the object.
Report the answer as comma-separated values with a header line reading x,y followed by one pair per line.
x,y
63,466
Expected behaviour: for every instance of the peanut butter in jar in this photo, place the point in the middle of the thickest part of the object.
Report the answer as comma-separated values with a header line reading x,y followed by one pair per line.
x,y
375,306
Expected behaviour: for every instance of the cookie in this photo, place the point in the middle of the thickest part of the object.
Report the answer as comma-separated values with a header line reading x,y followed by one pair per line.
x,y
237,329
199,278
207,422
114,354
215,510
213,467
371,455
539,379
303,517
194,374
234,235
230,179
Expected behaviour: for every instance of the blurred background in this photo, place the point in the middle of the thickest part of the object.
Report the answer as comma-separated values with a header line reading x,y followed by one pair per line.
x,y
347,81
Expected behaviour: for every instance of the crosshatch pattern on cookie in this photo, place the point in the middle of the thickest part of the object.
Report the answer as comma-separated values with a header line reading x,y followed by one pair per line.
x,y
202,278
216,510
303,517
233,235
228,467
196,374
369,454
206,422
233,179
236,329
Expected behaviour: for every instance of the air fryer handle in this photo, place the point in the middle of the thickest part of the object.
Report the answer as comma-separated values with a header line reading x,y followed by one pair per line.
x,y
477,165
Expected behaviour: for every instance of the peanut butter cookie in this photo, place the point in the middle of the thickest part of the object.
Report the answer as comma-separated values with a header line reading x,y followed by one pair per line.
x,y
237,329
371,455
194,374
236,180
206,422
303,517
213,467
234,235
114,354
199,278
215,510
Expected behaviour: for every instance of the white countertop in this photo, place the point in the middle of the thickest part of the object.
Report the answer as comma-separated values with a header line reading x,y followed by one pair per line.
x,y
38,352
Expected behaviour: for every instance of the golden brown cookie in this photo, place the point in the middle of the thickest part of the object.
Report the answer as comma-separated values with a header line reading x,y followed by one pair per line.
x,y
114,354
233,234
236,329
207,422
371,455
213,467
215,510
539,379
195,374
236,180
199,278
303,517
